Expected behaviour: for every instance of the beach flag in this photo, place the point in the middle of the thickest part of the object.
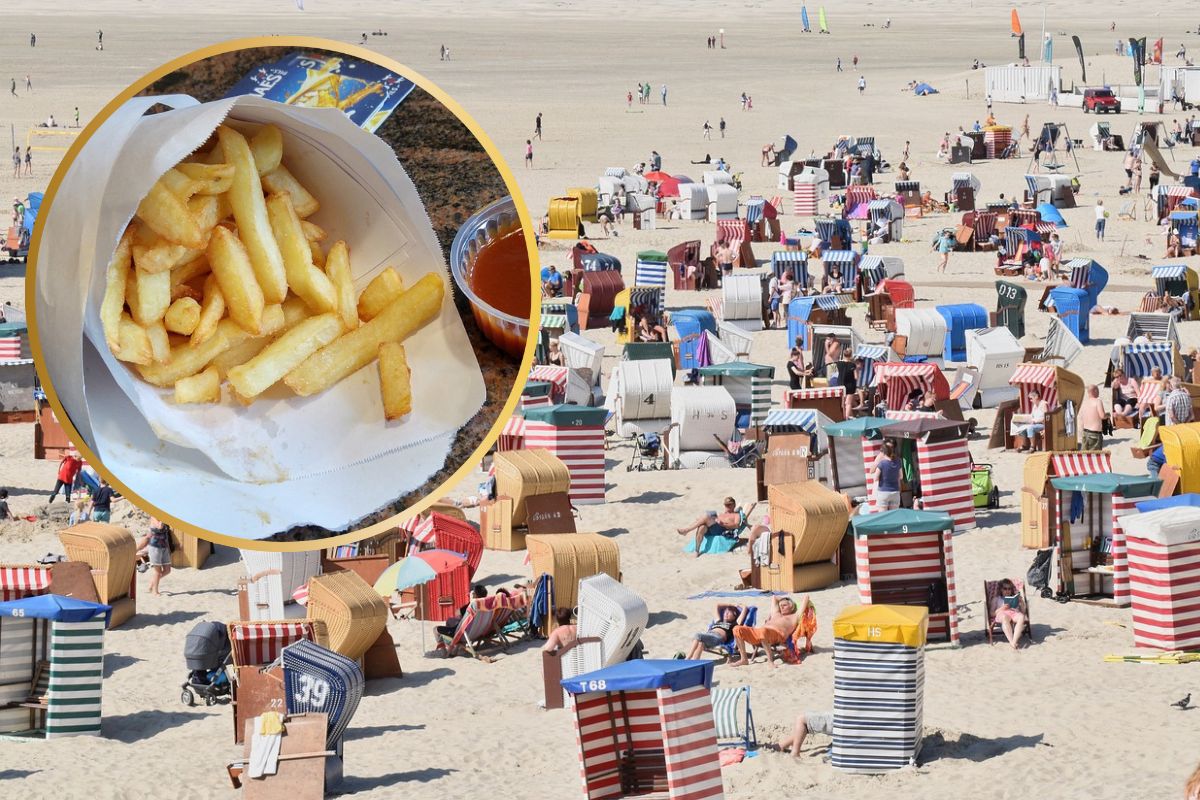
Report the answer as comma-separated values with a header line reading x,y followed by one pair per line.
x,y
1016,24
1158,48
1079,52
804,19
1048,50
1137,49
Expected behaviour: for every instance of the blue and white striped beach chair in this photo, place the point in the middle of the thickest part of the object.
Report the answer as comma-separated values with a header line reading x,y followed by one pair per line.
x,y
733,717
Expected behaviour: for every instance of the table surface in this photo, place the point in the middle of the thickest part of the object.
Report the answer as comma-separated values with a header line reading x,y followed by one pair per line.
x,y
454,176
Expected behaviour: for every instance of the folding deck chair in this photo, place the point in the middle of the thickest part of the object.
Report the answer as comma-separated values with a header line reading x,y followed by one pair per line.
x,y
733,716
39,694
991,603
482,626
729,649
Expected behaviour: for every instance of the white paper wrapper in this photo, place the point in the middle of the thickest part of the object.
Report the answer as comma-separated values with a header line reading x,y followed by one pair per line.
x,y
283,461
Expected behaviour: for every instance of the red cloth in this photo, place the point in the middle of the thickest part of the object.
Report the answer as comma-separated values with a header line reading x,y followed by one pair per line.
x,y
68,468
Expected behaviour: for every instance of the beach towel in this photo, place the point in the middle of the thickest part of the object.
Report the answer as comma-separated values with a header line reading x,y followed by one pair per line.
x,y
735,593
714,541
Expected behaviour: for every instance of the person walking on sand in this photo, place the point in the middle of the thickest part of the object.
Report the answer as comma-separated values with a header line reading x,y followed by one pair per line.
x,y
839,64
664,93
629,99
707,130
157,545
1101,219
537,127
528,154
28,161
76,116
68,471
16,162
33,40
854,61
721,125
14,88
99,40
945,244
1137,176
862,84
28,84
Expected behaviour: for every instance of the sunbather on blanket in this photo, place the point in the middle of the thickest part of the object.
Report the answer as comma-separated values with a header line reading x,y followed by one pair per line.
x,y
725,522
720,633
775,631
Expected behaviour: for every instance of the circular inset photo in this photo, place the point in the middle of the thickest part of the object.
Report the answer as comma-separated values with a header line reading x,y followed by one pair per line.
x,y
282,291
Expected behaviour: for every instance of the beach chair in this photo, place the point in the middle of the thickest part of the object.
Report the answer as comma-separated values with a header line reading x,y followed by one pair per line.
x,y
732,716
482,626
991,602
1147,440
729,650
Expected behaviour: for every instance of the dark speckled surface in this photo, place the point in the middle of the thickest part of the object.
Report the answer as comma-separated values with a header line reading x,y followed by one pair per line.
x,y
454,177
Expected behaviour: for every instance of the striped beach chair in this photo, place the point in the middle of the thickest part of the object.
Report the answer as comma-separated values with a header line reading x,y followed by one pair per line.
x,y
733,716
319,680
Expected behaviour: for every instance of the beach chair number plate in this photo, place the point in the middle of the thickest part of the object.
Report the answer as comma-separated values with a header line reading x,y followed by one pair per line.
x,y
550,513
313,693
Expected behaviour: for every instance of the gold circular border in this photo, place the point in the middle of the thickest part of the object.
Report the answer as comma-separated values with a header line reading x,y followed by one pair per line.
x,y
437,93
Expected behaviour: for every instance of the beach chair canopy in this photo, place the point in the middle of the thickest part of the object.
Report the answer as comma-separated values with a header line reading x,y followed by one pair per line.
x,y
924,330
793,420
928,429
858,428
1108,483
902,379
883,624
794,260
1054,383
1154,325
599,262
901,520
1139,360
901,292
965,179
674,674
960,318
54,608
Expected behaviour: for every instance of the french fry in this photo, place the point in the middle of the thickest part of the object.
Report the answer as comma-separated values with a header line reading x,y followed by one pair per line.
x,y
193,357
294,310
250,211
209,209
208,179
179,184
231,264
284,354
354,350
135,344
192,269
312,231
267,147
239,354
152,296
281,180
159,255
318,255
311,284
394,381
203,387
182,316
337,266
211,311
116,275
382,290
167,214
160,344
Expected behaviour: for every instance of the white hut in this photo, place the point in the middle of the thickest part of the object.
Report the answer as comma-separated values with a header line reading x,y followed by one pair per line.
x,y
640,394
742,302
993,354
722,201
693,201
924,332
704,417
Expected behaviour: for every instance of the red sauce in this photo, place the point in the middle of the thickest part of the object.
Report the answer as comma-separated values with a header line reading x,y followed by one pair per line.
x,y
500,275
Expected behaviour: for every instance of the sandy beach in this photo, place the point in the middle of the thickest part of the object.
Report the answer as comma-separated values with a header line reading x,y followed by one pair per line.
x,y
1054,718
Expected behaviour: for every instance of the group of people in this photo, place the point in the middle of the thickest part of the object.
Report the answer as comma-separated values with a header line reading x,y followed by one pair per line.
x,y
16,161
643,94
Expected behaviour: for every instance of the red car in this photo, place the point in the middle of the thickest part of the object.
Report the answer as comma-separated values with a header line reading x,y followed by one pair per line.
x,y
1100,100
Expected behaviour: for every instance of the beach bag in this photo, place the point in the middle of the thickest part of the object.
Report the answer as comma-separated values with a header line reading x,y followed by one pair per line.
x,y
1038,575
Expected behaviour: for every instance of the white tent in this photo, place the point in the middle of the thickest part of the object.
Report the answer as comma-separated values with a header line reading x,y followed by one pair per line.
x,y
640,394
582,355
819,177
698,414
924,330
693,201
272,579
742,301
722,201
994,353
735,338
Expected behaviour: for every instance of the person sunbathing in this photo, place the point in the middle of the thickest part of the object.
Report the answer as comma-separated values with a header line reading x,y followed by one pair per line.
x,y
775,631
564,633
712,523
719,633
1125,394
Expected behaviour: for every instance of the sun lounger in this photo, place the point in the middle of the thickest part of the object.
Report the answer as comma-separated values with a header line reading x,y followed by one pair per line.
x,y
482,626
733,717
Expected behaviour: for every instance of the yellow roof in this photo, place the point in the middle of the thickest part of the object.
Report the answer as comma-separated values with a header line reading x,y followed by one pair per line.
x,y
887,624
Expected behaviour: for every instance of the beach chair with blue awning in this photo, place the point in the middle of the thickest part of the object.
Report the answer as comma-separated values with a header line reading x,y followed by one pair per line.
x,y
1179,280
51,666
794,260
1138,360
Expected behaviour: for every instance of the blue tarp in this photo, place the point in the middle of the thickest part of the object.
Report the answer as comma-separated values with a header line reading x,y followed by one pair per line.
x,y
922,89
674,674
32,204
1051,214
1177,501
55,608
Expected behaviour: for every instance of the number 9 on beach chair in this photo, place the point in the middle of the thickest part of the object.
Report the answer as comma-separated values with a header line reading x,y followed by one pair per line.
x,y
733,717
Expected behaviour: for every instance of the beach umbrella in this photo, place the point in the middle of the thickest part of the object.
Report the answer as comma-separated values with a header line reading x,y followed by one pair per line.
x,y
417,569
658,176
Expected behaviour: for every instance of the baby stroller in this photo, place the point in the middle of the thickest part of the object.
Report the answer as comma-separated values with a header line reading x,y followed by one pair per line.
x,y
205,651
983,488
647,453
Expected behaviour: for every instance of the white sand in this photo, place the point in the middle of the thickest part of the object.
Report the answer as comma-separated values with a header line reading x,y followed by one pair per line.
x,y
1053,719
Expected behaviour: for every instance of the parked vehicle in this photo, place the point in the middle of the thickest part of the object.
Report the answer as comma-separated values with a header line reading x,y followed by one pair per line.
x,y
1100,100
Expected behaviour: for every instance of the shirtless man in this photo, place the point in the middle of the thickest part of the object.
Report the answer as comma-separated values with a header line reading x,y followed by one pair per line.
x,y
729,520
776,630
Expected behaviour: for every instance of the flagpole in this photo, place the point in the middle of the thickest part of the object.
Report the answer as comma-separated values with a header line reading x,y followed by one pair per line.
x,y
1043,31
